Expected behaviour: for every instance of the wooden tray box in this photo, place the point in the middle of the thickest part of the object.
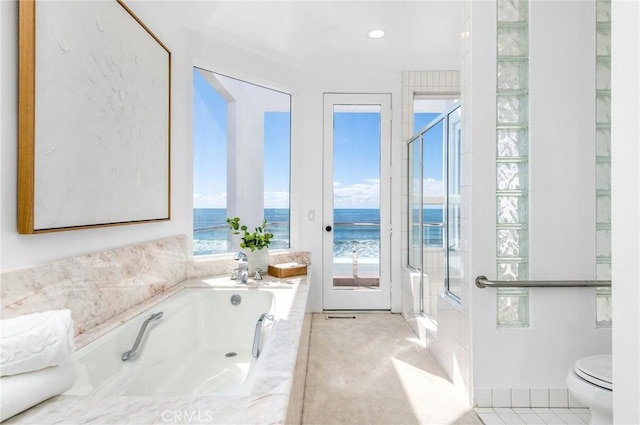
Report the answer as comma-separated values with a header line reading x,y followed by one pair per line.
x,y
287,270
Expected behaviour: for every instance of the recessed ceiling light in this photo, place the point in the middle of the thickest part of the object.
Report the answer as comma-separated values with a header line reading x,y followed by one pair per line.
x,y
376,33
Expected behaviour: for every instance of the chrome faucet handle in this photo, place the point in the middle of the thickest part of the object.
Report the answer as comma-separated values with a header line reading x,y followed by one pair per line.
x,y
243,262
234,274
257,275
243,266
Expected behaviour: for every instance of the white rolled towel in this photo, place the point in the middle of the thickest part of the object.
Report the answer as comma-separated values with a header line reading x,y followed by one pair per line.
x,y
35,341
20,392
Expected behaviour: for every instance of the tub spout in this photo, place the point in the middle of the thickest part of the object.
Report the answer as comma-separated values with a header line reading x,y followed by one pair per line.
x,y
128,354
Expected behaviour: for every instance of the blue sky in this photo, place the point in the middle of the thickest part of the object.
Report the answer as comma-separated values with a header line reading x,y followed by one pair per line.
x,y
356,159
356,154
432,153
210,155
209,145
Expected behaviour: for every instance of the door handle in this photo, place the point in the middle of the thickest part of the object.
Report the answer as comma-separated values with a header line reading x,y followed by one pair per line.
x,y
328,228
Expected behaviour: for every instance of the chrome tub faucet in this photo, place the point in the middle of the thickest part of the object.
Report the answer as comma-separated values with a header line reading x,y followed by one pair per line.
x,y
243,267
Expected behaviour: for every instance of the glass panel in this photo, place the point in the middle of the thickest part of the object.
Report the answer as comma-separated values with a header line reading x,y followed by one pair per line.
x,y
603,176
512,159
603,109
277,134
511,175
603,142
512,209
512,142
422,119
603,209
211,234
603,11
356,199
512,41
512,271
454,254
603,307
603,75
513,308
603,156
415,202
603,271
433,203
603,41
236,119
603,243
512,11
512,75
430,205
512,109
512,243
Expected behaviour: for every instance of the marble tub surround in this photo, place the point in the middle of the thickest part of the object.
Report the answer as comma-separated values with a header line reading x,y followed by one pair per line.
x,y
216,266
97,286
267,402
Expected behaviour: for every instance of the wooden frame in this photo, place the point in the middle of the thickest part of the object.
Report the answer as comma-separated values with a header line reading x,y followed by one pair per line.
x,y
94,118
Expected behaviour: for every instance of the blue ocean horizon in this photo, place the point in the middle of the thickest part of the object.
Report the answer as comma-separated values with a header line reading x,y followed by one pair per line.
x,y
354,229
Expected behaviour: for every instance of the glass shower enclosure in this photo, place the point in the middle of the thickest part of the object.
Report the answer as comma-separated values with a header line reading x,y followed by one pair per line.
x,y
434,208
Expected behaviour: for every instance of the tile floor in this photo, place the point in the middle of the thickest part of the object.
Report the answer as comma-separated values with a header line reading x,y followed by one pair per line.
x,y
533,416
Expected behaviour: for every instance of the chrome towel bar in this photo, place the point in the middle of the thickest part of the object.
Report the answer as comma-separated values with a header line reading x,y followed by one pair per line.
x,y
483,282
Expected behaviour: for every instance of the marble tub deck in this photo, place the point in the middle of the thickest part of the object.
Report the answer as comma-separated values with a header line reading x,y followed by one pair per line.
x,y
267,403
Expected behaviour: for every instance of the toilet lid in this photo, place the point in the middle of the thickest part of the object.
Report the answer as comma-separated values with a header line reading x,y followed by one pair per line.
x,y
596,369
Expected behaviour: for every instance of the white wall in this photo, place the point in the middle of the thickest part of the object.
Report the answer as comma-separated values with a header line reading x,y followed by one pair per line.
x,y
562,140
625,238
562,199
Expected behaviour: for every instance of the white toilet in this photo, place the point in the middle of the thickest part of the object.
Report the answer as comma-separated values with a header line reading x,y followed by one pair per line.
x,y
590,383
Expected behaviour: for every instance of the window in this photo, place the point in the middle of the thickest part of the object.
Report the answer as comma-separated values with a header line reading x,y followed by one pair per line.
x,y
241,160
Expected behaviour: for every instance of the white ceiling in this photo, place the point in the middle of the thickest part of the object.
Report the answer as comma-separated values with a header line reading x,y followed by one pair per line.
x,y
324,35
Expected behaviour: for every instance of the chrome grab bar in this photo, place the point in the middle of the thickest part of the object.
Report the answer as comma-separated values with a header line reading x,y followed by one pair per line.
x,y
255,350
128,354
483,282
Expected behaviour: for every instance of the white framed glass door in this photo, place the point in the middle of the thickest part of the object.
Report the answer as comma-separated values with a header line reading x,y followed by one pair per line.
x,y
356,202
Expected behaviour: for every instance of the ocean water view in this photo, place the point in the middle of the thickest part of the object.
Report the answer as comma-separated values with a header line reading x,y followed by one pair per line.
x,y
354,229
212,235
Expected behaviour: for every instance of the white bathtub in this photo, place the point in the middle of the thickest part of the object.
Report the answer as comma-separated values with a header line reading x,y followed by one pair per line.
x,y
201,345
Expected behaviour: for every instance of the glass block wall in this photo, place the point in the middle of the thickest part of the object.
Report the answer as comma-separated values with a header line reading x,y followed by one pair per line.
x,y
512,162
603,159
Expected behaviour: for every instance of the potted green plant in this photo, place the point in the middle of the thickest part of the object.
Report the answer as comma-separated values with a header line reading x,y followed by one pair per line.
x,y
257,243
260,238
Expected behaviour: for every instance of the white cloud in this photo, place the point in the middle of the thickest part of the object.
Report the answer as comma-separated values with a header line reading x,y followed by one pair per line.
x,y
276,200
271,200
359,195
209,201
432,186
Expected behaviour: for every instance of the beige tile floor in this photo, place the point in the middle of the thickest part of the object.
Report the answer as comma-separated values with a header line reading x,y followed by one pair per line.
x,y
533,416
373,370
